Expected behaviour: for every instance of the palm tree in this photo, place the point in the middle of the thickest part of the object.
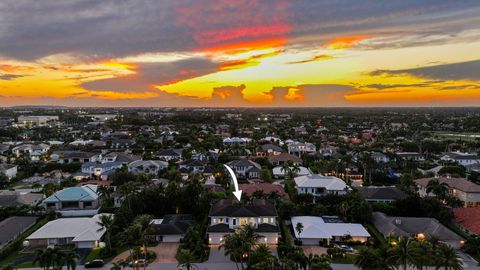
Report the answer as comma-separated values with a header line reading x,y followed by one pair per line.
x,y
106,222
447,257
185,259
403,252
366,259
231,243
299,228
144,222
41,259
439,189
69,259
422,251
285,168
376,259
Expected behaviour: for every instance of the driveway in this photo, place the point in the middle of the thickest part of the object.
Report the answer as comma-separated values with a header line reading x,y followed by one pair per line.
x,y
217,256
165,252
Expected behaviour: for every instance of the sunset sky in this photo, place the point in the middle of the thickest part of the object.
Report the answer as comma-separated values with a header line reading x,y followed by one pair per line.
x,y
284,53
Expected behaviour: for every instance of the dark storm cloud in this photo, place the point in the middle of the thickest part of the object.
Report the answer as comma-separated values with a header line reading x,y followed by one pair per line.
x,y
31,29
457,71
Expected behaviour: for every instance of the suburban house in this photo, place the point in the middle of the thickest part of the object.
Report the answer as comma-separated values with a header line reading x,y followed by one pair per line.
x,y
121,143
380,157
245,168
9,170
172,228
461,188
269,149
284,158
299,148
74,201
99,171
12,227
147,166
67,157
468,219
410,156
169,154
83,232
417,227
464,159
327,151
120,157
33,151
318,230
226,217
17,198
236,141
319,185
386,194
279,172
192,165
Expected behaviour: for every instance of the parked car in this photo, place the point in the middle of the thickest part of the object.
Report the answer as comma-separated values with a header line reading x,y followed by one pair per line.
x,y
346,248
139,263
94,264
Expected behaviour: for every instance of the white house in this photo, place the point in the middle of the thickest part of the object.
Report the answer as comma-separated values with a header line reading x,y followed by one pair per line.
x,y
226,217
320,185
316,230
34,151
245,168
147,166
298,148
100,170
464,159
84,232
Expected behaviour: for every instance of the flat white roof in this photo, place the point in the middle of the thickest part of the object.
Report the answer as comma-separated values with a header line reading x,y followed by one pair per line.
x,y
80,229
316,228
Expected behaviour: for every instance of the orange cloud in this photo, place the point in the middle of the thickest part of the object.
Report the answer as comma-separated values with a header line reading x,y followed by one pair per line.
x,y
345,42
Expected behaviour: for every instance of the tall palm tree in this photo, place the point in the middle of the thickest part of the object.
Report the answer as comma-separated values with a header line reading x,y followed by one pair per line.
x,y
106,222
69,259
439,189
448,258
403,252
422,251
186,259
366,259
146,229
299,228
232,245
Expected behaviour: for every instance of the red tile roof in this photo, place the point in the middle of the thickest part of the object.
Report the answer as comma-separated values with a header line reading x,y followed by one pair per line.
x,y
469,218
267,188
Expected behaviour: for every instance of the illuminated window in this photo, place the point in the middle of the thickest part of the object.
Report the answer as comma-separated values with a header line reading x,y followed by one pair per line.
x,y
265,220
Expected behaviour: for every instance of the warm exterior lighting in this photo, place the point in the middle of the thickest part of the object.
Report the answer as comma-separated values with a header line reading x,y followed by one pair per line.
x,y
421,236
